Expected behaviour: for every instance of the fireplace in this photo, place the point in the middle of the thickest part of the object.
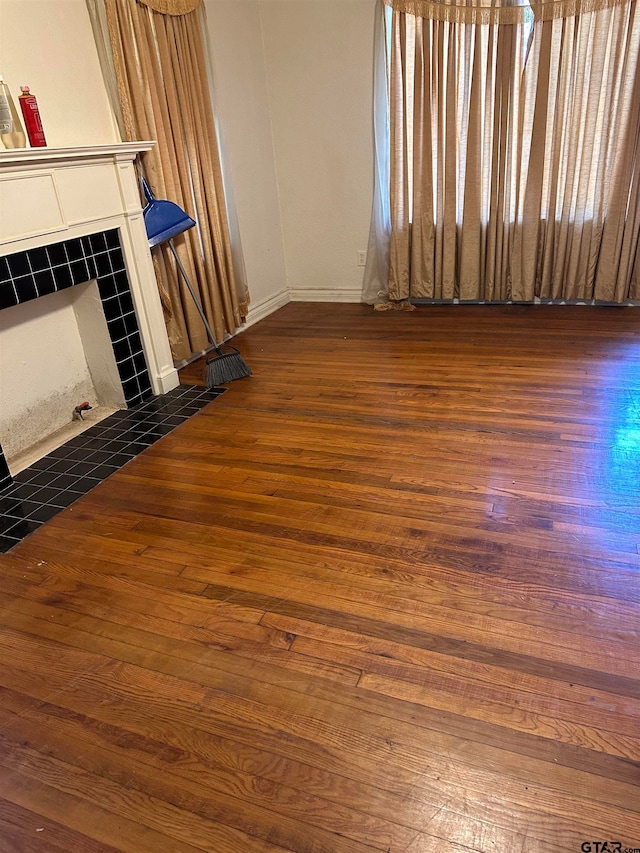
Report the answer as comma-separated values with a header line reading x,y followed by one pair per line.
x,y
37,272
69,216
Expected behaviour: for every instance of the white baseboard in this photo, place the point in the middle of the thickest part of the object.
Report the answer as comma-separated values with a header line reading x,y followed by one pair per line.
x,y
259,310
165,381
329,295
264,307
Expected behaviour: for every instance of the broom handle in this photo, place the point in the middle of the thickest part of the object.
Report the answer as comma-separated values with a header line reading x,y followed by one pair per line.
x,y
193,296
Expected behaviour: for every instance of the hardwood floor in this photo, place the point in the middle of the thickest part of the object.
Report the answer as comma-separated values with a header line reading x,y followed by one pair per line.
x,y
382,596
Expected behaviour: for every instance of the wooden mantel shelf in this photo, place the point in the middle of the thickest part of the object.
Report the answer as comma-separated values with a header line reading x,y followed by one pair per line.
x,y
30,158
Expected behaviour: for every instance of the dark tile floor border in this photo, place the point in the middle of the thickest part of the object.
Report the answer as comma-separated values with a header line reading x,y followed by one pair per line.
x,y
57,480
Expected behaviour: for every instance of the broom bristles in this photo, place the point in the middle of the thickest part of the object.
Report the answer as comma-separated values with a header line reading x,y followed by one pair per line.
x,y
225,368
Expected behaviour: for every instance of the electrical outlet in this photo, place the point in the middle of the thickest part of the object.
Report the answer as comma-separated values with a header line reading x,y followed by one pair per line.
x,y
361,256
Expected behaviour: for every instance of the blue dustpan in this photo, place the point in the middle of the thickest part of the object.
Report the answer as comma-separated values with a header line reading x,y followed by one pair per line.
x,y
163,219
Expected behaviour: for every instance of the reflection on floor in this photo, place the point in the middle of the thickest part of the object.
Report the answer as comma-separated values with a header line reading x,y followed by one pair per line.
x,y
57,480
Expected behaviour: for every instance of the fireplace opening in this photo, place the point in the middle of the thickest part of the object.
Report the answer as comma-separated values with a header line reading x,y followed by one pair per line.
x,y
55,353
35,274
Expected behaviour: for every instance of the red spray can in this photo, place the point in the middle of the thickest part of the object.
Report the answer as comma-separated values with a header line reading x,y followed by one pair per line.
x,y
31,113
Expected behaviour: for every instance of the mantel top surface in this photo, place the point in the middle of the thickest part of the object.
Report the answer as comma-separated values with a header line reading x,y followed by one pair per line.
x,y
26,157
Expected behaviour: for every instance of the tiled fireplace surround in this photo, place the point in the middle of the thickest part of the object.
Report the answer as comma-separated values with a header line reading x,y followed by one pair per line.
x,y
36,272
70,216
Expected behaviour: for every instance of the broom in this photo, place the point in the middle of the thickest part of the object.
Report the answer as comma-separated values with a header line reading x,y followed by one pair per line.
x,y
163,221
224,366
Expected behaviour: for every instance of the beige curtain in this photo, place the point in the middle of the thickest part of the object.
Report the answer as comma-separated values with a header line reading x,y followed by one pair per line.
x,y
514,150
160,64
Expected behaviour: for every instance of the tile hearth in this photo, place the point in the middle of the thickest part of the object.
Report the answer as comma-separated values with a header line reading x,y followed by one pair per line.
x,y
57,480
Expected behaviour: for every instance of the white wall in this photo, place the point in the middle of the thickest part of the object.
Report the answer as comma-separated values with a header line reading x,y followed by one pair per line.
x,y
319,56
242,108
298,138
49,46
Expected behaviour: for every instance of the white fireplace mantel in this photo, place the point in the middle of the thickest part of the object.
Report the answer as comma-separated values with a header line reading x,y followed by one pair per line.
x,y
48,195
32,157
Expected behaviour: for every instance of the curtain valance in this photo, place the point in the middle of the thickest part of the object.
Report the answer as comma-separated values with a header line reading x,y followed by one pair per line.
x,y
495,11
172,7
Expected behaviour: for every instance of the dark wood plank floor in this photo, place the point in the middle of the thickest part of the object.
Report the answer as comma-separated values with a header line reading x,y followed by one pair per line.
x,y
383,596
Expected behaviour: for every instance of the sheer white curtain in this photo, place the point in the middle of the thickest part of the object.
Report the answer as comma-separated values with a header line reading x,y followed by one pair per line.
x,y
376,274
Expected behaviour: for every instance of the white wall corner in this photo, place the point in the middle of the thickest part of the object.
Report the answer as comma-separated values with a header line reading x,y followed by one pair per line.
x,y
266,306
268,83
